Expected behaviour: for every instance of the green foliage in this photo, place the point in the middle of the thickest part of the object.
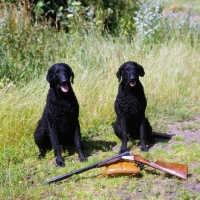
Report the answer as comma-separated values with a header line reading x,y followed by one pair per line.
x,y
178,138
148,21
143,19
110,16
153,27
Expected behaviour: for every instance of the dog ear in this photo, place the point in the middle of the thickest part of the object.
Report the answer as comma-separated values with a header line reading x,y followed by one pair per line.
x,y
119,73
48,77
141,70
72,76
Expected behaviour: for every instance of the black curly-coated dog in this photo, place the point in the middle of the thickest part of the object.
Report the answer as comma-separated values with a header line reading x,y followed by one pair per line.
x,y
59,123
130,105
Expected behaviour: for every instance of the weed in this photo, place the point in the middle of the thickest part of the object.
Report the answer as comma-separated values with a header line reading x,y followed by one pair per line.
x,y
183,194
148,21
178,138
192,127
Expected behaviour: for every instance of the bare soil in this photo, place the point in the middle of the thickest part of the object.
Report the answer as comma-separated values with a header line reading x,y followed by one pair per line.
x,y
188,130
164,186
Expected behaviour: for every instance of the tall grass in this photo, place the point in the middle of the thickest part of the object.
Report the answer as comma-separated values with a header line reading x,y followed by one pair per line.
x,y
171,84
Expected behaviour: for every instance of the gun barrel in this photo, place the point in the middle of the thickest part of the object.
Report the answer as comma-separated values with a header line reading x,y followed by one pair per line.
x,y
59,178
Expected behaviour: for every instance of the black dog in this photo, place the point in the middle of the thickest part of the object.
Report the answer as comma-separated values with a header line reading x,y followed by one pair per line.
x,y
130,105
59,123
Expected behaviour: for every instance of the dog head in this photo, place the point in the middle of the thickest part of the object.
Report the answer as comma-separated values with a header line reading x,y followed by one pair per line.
x,y
130,72
59,75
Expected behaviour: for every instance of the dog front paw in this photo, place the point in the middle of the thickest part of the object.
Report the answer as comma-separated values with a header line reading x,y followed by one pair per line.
x,y
144,149
42,154
122,151
60,163
83,159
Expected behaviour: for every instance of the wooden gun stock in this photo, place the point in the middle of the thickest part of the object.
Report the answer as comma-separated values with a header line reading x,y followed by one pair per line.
x,y
175,169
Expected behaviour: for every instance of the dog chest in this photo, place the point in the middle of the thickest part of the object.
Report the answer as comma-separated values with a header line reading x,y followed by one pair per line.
x,y
62,111
130,104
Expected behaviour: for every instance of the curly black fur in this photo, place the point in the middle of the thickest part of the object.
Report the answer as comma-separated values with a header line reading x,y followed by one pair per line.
x,y
130,105
59,123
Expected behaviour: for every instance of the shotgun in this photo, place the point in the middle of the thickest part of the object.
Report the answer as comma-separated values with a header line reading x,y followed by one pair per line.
x,y
178,170
175,169
59,178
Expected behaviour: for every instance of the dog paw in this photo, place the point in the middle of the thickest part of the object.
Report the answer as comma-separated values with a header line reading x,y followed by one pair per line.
x,y
60,163
144,149
122,151
83,159
41,156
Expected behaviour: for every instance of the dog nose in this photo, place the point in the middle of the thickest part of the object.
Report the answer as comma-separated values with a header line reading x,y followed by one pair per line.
x,y
132,78
63,80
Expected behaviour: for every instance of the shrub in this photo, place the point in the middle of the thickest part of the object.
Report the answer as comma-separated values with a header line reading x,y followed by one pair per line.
x,y
148,21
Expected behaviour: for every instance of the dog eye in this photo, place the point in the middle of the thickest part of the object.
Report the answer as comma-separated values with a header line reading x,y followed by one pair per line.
x,y
127,69
56,72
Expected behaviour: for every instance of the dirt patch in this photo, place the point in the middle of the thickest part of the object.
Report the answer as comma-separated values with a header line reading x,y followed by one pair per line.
x,y
169,188
187,131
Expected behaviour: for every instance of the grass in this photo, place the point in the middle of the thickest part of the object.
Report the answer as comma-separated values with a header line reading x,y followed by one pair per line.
x,y
171,84
182,5
178,138
172,69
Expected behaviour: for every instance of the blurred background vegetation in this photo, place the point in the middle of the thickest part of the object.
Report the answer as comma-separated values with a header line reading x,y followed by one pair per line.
x,y
25,25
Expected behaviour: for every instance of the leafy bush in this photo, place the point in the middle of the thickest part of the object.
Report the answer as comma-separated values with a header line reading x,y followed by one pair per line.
x,y
70,15
27,49
148,21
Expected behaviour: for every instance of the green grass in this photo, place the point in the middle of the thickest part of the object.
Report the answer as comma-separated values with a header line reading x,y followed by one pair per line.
x,y
178,138
171,84
182,5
